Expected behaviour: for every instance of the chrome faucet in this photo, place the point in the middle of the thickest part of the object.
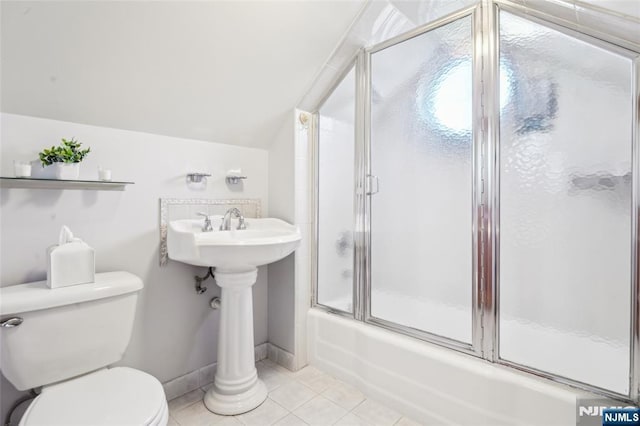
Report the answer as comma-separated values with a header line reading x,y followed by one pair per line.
x,y
207,223
226,220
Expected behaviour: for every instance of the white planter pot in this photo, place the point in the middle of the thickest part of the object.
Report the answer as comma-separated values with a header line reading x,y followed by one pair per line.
x,y
63,171
39,172
67,171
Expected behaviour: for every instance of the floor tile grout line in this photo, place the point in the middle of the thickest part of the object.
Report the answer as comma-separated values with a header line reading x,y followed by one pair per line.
x,y
355,414
359,404
342,416
187,406
288,378
298,406
307,386
285,409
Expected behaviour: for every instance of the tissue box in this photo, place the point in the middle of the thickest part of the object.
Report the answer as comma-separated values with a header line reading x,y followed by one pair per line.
x,y
70,264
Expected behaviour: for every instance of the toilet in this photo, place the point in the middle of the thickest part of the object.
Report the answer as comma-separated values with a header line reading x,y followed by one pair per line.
x,y
64,339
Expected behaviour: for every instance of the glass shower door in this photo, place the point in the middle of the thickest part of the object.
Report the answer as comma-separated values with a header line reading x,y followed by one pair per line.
x,y
421,154
335,174
565,204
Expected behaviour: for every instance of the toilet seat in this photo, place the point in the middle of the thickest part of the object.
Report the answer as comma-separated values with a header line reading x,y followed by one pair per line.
x,y
117,396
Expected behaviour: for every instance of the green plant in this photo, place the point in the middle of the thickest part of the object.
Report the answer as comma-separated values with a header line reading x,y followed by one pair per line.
x,y
68,152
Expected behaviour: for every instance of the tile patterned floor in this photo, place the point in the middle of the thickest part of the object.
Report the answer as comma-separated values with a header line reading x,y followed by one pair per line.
x,y
306,397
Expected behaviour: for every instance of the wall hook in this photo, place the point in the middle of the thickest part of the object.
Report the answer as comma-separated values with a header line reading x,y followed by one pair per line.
x,y
196,177
234,176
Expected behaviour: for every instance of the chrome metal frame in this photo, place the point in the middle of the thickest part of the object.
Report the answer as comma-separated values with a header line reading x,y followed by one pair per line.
x,y
478,182
572,31
361,228
422,29
335,83
634,379
538,11
315,139
489,137
486,175
466,347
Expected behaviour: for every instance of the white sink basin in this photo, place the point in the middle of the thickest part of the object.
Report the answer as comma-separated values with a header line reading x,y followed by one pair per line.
x,y
235,254
264,241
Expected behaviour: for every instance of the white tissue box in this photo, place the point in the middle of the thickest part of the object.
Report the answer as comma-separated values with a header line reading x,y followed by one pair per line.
x,y
70,264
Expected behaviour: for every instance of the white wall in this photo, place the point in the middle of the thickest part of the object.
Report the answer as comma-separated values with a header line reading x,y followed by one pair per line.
x,y
175,330
180,68
290,279
303,218
281,274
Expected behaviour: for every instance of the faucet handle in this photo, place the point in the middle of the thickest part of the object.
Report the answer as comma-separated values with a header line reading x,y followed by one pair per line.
x,y
207,222
241,223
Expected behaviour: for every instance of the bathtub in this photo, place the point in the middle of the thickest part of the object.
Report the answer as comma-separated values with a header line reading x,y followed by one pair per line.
x,y
431,384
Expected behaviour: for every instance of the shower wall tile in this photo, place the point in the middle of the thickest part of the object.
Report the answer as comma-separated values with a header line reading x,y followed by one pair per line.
x,y
421,12
345,54
305,244
302,142
362,30
302,174
303,215
628,8
303,210
617,25
560,9
324,80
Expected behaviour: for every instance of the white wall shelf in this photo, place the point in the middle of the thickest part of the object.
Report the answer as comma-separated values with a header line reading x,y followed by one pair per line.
x,y
29,183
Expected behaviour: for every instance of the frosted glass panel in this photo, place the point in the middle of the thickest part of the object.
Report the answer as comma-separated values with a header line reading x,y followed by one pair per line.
x,y
565,205
421,151
336,159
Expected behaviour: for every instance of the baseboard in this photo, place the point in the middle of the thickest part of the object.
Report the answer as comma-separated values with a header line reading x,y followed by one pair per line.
x,y
204,376
282,357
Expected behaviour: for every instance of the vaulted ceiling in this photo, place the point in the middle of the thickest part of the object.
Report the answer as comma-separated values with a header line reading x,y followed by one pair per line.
x,y
220,71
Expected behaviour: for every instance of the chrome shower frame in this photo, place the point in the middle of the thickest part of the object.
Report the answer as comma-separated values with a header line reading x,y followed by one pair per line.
x,y
485,225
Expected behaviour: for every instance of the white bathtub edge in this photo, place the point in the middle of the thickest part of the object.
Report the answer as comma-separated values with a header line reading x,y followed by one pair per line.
x,y
434,384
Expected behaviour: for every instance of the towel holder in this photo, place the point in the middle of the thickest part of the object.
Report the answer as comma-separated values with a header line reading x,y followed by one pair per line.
x,y
234,180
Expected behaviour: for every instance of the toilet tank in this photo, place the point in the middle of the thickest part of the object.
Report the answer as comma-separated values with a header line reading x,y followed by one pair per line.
x,y
66,331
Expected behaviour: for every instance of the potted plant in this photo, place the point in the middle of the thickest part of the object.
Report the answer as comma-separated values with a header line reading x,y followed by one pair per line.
x,y
63,161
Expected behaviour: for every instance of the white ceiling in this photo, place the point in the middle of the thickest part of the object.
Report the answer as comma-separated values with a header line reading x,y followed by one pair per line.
x,y
221,71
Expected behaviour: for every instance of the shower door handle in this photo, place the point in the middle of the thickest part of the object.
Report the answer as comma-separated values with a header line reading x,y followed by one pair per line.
x,y
371,179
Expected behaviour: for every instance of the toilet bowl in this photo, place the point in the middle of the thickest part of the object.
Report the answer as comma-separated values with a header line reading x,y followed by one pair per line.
x,y
115,396
63,340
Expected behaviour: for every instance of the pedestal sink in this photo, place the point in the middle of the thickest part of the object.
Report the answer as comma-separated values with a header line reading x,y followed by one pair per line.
x,y
235,254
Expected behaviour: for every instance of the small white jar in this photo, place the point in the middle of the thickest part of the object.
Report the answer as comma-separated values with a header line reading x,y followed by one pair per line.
x,y
104,174
21,169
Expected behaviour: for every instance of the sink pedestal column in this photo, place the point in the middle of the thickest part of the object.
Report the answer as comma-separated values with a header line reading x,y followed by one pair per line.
x,y
236,388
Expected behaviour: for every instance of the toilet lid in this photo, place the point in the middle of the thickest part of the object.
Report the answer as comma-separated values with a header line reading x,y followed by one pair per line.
x,y
111,397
